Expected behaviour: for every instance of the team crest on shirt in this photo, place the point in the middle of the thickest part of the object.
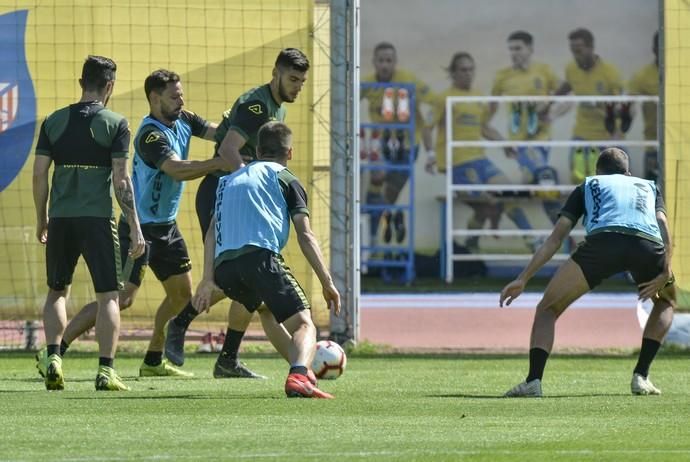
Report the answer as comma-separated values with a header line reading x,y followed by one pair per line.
x,y
17,98
152,137
255,109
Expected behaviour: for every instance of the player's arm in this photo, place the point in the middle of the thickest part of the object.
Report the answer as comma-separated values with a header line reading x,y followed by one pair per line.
x,y
41,168
490,133
204,291
183,170
200,126
124,194
229,149
309,246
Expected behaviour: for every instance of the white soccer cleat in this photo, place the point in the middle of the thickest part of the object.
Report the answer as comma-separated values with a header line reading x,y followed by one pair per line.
x,y
530,389
403,105
388,104
642,386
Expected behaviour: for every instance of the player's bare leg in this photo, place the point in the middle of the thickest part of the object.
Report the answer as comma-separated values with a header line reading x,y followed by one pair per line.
x,y
301,354
54,323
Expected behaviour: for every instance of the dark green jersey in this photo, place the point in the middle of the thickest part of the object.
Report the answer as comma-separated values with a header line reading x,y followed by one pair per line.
x,y
82,139
251,110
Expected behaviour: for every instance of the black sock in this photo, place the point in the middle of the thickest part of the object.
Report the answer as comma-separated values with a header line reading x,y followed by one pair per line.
x,y
186,316
153,358
53,349
298,370
537,363
107,362
63,347
647,354
231,345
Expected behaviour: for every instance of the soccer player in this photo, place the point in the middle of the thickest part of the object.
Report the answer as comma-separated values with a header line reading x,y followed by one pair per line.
x,y
470,165
589,74
236,139
384,187
161,167
627,230
242,250
89,145
646,82
529,121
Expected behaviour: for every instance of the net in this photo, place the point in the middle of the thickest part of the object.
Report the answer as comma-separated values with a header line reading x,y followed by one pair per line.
x,y
220,49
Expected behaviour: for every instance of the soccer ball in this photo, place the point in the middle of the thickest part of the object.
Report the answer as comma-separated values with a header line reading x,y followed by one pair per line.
x,y
329,360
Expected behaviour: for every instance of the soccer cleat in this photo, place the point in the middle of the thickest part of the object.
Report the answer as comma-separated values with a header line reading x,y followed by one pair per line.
x,y
642,386
532,119
299,386
515,117
626,117
42,361
610,119
403,105
164,369
531,389
174,343
54,379
108,380
234,370
312,377
387,105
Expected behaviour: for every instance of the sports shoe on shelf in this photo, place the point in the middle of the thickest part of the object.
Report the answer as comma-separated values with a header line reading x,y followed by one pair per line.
x,y
54,379
174,343
299,386
642,386
610,119
108,380
403,111
233,370
388,104
532,119
531,389
206,345
626,117
164,369
515,117
42,361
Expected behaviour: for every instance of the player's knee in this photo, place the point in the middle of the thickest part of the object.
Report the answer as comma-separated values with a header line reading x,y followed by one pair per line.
x,y
126,302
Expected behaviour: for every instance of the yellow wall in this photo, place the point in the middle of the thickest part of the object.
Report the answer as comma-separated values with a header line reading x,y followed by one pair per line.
x,y
221,49
677,137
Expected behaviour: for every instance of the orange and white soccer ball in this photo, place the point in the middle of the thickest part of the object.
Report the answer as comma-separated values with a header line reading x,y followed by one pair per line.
x,y
329,360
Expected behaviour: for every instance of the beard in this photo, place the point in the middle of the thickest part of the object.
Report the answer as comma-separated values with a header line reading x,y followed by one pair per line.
x,y
284,95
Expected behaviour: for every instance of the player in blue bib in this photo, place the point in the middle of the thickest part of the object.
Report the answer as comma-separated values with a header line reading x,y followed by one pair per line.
x,y
627,230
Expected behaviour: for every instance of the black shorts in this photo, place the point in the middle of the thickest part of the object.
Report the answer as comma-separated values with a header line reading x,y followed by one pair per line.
x,y
605,254
205,202
93,237
262,276
166,252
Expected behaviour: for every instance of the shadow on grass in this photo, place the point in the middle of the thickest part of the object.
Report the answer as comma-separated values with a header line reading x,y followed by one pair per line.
x,y
574,395
128,396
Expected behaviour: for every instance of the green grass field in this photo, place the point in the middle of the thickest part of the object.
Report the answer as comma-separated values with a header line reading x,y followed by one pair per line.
x,y
386,408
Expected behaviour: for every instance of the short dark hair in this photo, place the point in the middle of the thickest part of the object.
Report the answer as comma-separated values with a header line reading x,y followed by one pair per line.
x,y
612,161
158,80
292,58
523,36
274,140
97,72
457,57
582,34
384,46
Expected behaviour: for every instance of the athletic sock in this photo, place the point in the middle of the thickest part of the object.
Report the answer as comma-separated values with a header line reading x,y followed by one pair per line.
x,y
647,353
537,363
53,349
63,347
298,370
186,316
107,362
153,358
231,345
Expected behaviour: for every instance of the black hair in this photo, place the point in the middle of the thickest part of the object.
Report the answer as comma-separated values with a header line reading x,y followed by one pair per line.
x,y
158,80
292,58
523,36
384,46
582,34
612,161
274,140
97,72
457,57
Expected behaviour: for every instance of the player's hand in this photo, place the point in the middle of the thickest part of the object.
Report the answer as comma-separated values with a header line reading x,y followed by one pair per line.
x,y
137,244
42,232
651,288
511,291
203,296
332,297
430,165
